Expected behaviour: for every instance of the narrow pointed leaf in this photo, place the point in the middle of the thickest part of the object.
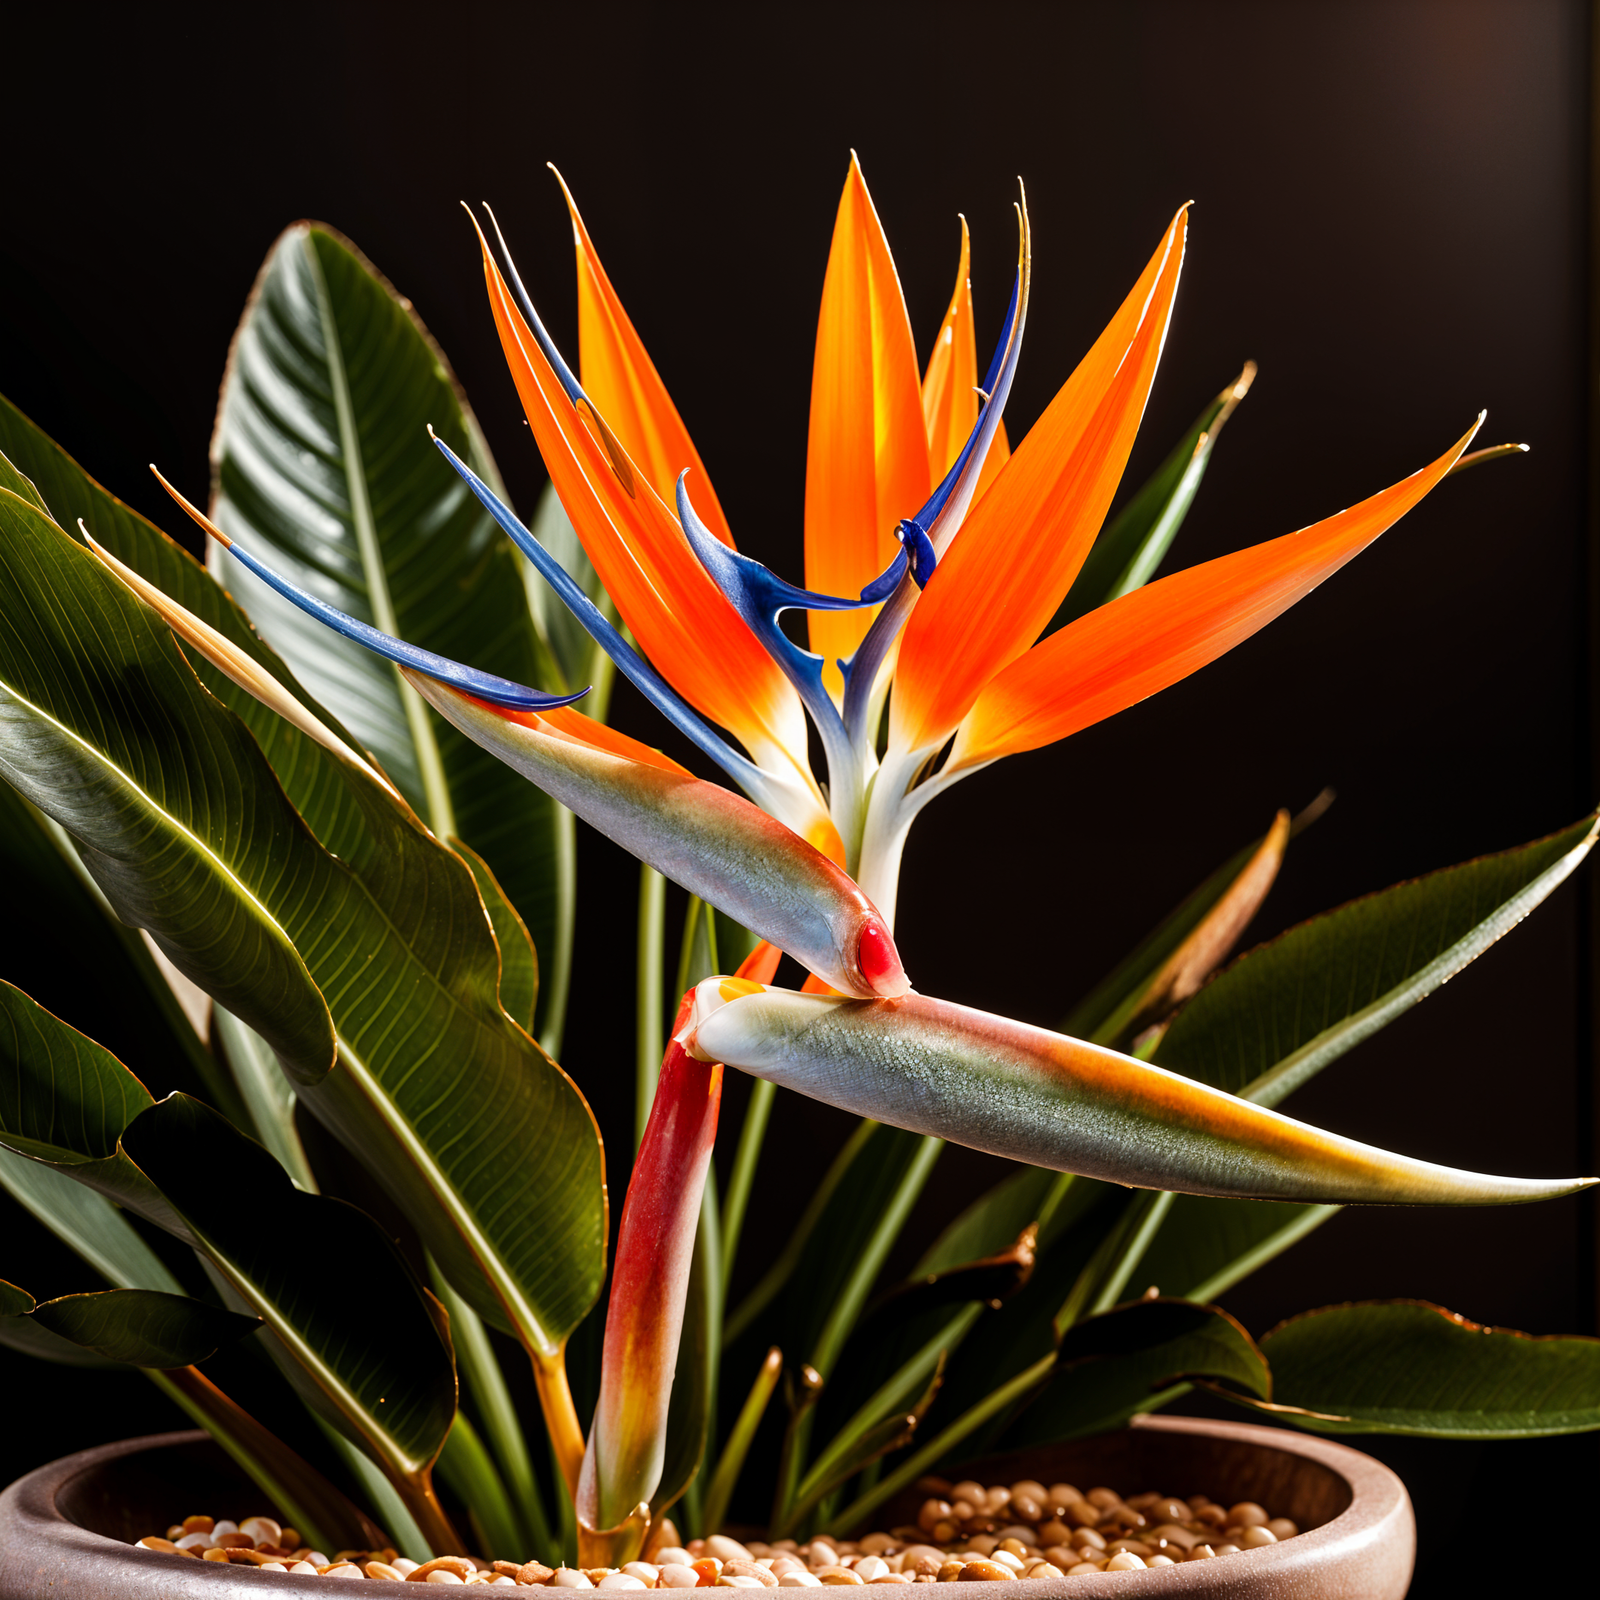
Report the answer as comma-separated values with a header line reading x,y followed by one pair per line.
x,y
15,1302
1206,1245
988,1280
1035,1096
989,1221
1120,991
324,469
1282,1012
1132,544
1192,943
1405,1366
143,1327
1115,1364
268,1094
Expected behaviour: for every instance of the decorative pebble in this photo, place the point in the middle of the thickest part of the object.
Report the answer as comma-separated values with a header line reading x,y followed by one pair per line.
x,y
964,1532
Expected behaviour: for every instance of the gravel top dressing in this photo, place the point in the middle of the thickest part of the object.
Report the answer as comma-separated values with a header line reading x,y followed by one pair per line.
x,y
964,1533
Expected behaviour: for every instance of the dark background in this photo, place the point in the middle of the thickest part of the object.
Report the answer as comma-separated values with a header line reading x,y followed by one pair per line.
x,y
1391,217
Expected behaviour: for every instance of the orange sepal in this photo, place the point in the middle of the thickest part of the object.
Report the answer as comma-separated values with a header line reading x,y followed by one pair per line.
x,y
1140,644
950,383
619,376
682,620
867,449
1023,543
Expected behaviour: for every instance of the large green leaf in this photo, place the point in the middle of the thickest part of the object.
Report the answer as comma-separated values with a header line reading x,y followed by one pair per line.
x,y
1282,1012
72,1106
387,1381
484,1141
1126,1360
324,468
82,959
143,1327
77,744
519,962
1404,1366
65,1101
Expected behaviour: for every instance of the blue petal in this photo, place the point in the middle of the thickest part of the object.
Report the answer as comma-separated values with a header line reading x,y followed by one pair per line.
x,y
918,549
760,597
481,685
630,663
546,343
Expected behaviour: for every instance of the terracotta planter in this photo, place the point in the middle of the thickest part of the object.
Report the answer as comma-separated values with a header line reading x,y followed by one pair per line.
x,y
67,1528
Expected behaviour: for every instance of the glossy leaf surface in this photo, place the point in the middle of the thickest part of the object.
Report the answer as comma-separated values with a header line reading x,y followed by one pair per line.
x,y
143,1327
418,1013
73,930
1404,1366
388,1383
81,738
1281,1013
324,469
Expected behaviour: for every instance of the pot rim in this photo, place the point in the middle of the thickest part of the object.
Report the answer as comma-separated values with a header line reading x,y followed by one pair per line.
x,y
35,1532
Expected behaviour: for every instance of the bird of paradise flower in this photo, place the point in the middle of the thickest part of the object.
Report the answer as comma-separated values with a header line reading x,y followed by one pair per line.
x,y
935,558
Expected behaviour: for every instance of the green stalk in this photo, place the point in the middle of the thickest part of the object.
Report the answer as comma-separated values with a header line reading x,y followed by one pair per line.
x,y
648,1045
936,1449
847,1306
1104,1266
899,1391
485,1383
738,1445
569,1517
781,1270
754,1130
465,1465
1153,1208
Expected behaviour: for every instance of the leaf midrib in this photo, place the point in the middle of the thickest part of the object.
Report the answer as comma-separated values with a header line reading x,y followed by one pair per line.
x,y
430,765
